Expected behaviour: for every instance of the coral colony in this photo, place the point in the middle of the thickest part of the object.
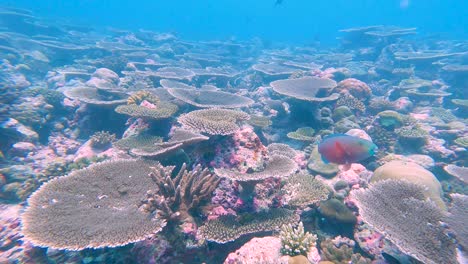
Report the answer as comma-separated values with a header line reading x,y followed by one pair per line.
x,y
141,147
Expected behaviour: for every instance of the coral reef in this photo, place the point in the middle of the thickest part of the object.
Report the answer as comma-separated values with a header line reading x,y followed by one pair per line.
x,y
412,172
303,189
399,209
302,134
229,228
69,212
160,110
306,88
102,139
178,198
210,99
213,121
355,88
295,241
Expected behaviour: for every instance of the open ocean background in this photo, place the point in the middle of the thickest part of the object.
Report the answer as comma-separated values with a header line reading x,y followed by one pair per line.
x,y
293,21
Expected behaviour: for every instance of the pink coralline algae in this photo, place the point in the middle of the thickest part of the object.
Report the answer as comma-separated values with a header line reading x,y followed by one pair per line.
x,y
243,150
12,249
87,151
258,250
369,240
355,175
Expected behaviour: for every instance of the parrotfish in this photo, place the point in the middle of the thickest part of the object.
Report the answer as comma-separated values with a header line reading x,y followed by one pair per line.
x,y
345,149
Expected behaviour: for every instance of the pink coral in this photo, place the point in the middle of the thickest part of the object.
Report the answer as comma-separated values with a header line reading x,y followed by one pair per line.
x,y
354,87
258,250
243,151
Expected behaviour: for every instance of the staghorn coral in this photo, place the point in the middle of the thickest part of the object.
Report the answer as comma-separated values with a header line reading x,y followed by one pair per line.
x,y
210,99
92,208
278,166
140,96
458,217
160,110
307,88
294,241
303,189
355,88
95,96
213,121
227,228
399,210
178,198
351,102
102,139
302,134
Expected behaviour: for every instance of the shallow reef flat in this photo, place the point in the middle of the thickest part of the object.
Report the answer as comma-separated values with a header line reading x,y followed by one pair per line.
x,y
121,146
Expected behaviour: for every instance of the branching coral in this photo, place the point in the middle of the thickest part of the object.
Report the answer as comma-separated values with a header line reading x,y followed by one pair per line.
x,y
295,241
92,208
177,198
399,210
213,121
228,228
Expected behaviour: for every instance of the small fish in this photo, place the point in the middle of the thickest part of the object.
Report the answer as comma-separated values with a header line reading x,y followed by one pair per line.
x,y
345,149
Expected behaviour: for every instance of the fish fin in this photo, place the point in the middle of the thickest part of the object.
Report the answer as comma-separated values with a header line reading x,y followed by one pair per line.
x,y
324,159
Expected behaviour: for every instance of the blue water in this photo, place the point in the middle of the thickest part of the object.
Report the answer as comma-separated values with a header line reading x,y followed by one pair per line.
x,y
297,21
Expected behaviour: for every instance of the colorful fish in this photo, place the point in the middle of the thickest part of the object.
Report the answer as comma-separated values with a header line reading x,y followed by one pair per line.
x,y
345,149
